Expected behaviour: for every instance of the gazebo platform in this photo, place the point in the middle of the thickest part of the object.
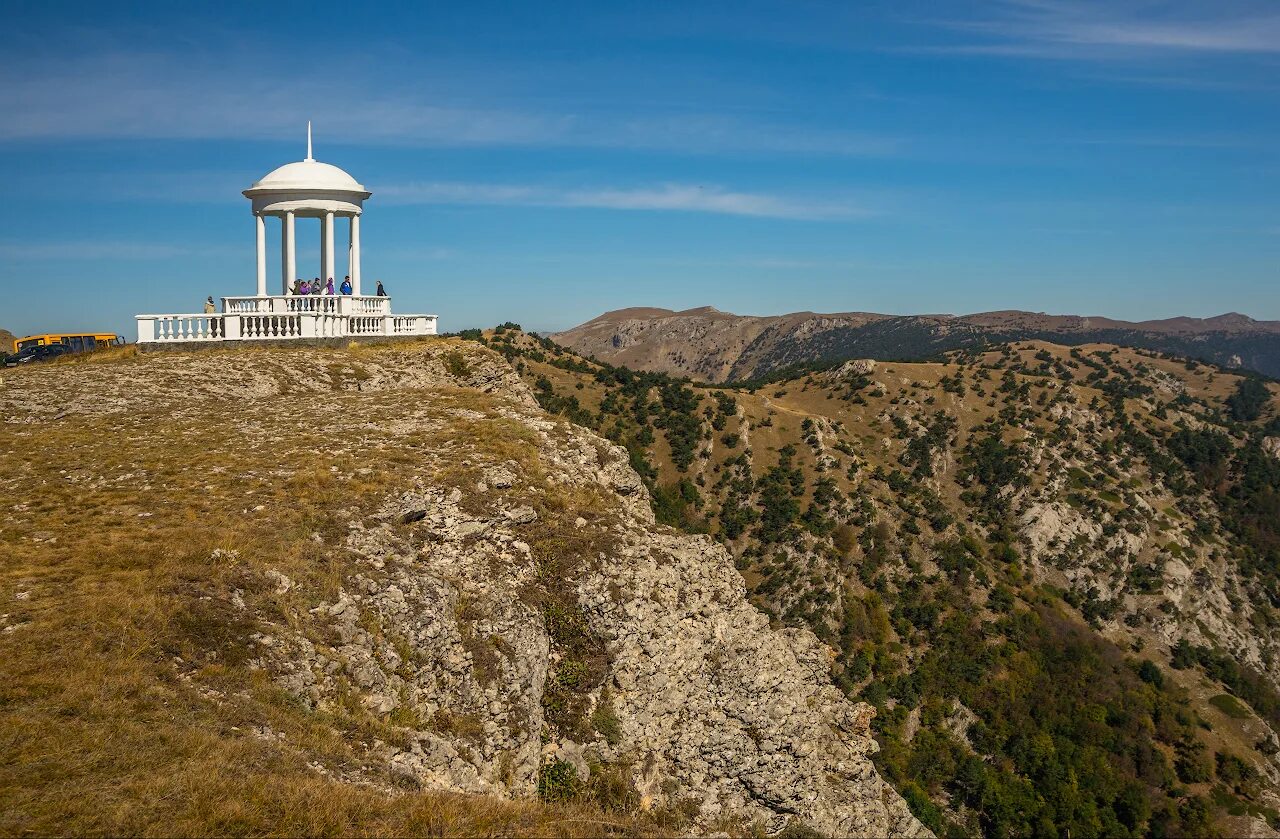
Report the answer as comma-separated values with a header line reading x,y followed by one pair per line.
x,y
306,189
284,318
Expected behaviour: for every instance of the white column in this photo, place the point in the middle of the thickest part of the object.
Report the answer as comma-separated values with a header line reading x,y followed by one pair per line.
x,y
262,254
355,254
322,246
288,260
328,247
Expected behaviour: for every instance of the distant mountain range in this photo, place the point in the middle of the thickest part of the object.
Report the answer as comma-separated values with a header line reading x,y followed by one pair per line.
x,y
717,346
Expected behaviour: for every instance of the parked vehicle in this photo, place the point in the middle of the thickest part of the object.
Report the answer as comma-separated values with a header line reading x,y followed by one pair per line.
x,y
32,354
75,341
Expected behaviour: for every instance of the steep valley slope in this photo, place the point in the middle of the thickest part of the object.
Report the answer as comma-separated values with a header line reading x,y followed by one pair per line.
x,y
1054,571
716,346
379,590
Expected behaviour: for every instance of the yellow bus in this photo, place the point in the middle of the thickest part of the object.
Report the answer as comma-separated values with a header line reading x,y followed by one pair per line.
x,y
77,341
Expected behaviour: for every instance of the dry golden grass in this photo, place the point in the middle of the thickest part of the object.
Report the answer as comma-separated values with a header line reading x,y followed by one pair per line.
x,y
98,356
127,701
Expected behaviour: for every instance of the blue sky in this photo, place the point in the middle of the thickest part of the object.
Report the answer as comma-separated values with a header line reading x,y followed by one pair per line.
x,y
545,163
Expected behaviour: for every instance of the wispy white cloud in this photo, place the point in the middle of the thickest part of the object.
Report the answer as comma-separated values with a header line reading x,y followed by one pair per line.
x,y
1166,140
192,186
129,95
663,197
1190,80
1111,28
88,250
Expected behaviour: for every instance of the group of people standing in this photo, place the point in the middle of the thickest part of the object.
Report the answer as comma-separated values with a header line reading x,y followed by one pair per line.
x,y
301,286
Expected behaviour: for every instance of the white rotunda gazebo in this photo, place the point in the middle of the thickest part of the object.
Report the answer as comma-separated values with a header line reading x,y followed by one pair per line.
x,y
302,190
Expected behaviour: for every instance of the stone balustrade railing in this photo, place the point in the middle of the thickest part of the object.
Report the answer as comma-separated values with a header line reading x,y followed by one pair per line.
x,y
338,304
251,325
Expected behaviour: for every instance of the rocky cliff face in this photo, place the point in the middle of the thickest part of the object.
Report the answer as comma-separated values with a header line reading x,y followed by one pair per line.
x,y
514,616
474,593
690,698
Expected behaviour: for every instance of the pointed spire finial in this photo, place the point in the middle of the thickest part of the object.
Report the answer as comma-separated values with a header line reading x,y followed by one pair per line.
x,y
309,157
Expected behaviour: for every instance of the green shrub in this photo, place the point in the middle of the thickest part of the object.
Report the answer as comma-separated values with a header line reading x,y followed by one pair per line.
x,y
924,809
456,365
605,720
1247,402
571,673
558,781
1229,705
797,829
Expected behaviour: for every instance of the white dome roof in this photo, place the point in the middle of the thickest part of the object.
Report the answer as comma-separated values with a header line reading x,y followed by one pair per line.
x,y
307,175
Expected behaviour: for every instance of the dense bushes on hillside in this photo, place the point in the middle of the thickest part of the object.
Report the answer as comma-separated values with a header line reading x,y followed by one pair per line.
x,y
999,709
1075,731
1250,397
1245,482
994,466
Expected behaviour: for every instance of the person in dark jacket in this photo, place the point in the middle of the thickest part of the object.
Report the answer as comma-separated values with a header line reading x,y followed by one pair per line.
x,y
382,292
214,323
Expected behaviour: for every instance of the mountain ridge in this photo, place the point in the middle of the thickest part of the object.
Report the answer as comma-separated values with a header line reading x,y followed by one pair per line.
x,y
716,346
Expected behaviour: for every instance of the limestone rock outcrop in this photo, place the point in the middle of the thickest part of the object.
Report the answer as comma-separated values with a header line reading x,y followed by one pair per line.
x,y
1271,445
537,617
